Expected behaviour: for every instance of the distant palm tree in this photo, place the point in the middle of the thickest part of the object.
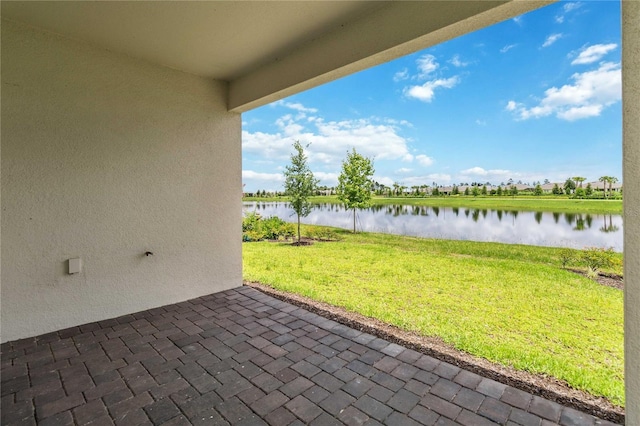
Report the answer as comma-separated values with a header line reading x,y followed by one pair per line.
x,y
604,180
612,180
578,180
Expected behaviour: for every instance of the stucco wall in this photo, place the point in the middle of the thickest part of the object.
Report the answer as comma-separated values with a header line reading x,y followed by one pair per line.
x,y
631,179
104,158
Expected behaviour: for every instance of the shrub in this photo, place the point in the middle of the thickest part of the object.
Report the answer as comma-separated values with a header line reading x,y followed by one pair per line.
x,y
321,233
255,228
596,259
567,256
275,228
250,221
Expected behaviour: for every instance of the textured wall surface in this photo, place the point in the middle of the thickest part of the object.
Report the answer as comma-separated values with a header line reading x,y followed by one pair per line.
x,y
631,179
104,158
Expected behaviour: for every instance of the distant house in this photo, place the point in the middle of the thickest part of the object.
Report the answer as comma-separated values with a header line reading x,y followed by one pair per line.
x,y
598,186
547,188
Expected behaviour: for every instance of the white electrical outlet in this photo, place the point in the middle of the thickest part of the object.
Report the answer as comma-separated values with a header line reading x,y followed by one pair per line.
x,y
75,266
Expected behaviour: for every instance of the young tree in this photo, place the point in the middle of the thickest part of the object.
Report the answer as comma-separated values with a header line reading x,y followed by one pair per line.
x,y
466,191
589,191
569,186
354,183
299,183
538,190
499,191
556,190
484,190
475,191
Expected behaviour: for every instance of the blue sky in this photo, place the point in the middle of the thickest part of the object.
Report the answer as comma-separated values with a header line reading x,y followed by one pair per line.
x,y
532,98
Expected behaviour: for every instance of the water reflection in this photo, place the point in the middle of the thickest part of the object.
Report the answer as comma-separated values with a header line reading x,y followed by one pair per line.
x,y
535,228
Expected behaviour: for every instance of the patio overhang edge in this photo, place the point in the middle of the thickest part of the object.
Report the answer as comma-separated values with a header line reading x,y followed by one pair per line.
x,y
367,42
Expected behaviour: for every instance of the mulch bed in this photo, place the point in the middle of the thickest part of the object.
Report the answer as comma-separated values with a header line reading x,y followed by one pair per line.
x,y
609,280
544,386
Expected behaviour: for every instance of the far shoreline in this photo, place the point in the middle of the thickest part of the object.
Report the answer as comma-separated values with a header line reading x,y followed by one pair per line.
x,y
520,203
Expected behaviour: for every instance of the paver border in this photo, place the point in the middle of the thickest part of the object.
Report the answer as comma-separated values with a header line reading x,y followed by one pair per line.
x,y
550,389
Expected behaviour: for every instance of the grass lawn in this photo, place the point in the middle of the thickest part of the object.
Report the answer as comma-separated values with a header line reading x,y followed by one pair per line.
x,y
511,304
524,203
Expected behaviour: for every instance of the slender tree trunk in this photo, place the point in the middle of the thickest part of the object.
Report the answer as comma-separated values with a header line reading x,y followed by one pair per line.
x,y
354,220
298,229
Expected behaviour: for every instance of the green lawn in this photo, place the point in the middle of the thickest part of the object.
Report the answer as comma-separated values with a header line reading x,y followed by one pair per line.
x,y
510,304
523,203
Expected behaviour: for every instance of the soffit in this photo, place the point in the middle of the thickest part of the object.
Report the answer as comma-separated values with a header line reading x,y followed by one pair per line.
x,y
266,50
216,39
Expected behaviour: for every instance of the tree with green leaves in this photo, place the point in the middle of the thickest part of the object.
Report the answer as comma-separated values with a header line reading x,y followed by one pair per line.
x,y
612,180
355,183
556,189
484,190
499,191
589,190
475,191
578,180
604,180
569,186
299,183
538,190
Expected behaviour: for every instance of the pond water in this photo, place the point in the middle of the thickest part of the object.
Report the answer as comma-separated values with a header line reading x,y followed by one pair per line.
x,y
574,230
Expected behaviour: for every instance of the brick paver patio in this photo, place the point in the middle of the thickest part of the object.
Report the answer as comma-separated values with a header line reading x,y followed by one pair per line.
x,y
244,358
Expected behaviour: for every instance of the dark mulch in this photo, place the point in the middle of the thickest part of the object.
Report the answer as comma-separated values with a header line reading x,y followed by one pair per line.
x,y
609,280
536,384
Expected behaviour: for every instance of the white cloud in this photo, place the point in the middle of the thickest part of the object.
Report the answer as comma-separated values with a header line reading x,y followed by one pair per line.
x,y
495,176
297,106
329,140
384,180
456,62
439,177
479,171
424,160
328,179
507,48
403,171
426,91
567,8
401,75
518,20
576,113
481,122
426,65
266,177
590,93
593,53
552,39
409,181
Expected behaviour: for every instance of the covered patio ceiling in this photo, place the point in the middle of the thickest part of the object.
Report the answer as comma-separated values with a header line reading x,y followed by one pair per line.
x,y
265,50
